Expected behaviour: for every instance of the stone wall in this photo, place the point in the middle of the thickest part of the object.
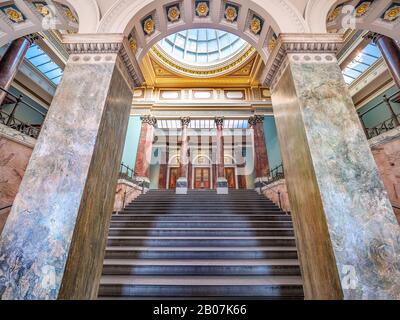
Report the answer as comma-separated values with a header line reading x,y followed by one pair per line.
x,y
15,152
386,151
128,190
271,192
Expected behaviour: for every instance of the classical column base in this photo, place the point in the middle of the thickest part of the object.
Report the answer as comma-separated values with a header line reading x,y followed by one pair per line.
x,y
181,186
143,182
222,186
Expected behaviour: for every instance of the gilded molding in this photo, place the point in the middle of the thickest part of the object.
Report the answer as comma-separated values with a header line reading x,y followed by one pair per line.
x,y
301,44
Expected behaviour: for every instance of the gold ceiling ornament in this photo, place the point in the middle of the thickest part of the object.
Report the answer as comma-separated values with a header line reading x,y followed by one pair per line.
x,y
392,13
334,14
363,8
14,15
255,25
230,13
149,26
173,14
208,72
202,9
42,8
69,15
272,44
133,45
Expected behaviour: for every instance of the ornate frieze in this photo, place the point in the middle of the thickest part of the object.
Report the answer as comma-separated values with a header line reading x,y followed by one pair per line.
x,y
318,48
99,49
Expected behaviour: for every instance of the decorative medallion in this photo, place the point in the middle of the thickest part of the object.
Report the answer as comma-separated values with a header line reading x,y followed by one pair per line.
x,y
362,8
202,8
69,14
392,13
256,25
335,13
231,12
173,13
13,14
132,43
272,43
41,7
148,25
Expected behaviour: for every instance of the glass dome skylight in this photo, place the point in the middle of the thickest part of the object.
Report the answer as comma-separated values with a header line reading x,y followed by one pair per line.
x,y
202,46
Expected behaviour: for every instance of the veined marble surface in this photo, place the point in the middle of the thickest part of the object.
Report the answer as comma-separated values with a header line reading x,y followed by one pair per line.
x,y
56,232
363,229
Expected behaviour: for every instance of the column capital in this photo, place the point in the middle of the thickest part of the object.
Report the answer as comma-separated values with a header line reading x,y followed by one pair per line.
x,y
253,120
32,38
374,36
149,119
302,47
219,121
185,121
98,48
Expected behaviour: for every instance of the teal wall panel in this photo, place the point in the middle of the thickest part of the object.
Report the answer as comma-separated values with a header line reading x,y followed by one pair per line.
x,y
131,141
381,113
272,142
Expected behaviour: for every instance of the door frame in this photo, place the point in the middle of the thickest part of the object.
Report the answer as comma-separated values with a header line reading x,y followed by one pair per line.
x,y
235,172
169,173
210,176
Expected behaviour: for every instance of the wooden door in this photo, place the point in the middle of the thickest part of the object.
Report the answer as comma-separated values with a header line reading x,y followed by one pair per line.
x,y
202,178
173,176
230,176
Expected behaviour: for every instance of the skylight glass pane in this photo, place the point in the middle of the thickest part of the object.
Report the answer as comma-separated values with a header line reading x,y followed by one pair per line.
x,y
361,63
202,46
44,64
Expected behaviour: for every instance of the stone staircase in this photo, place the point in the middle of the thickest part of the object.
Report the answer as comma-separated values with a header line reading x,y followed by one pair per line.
x,y
201,245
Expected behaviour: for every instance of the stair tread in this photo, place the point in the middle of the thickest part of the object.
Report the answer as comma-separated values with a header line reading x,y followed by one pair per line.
x,y
205,229
201,280
131,248
200,237
202,262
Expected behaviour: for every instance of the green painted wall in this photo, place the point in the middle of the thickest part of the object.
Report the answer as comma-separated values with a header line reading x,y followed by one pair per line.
x,y
381,113
24,113
272,142
131,141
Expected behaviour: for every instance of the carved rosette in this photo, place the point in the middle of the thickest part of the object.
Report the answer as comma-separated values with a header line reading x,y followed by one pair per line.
x,y
185,121
219,121
149,119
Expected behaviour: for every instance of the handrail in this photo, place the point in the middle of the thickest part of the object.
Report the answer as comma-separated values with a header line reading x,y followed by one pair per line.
x,y
23,102
6,207
377,105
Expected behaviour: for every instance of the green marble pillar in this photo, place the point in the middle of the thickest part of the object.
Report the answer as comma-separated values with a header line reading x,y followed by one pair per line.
x,y
52,246
347,235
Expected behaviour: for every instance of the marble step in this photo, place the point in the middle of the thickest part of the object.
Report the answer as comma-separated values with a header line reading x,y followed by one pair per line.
x,y
209,254
200,224
207,217
201,241
201,232
185,267
202,286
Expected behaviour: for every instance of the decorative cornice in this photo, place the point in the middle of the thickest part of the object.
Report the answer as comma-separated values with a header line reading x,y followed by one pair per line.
x,y
106,44
299,43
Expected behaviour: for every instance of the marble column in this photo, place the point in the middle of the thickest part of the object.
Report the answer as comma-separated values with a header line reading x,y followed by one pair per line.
x,y
52,246
261,165
390,52
11,61
144,152
346,232
182,182
222,183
